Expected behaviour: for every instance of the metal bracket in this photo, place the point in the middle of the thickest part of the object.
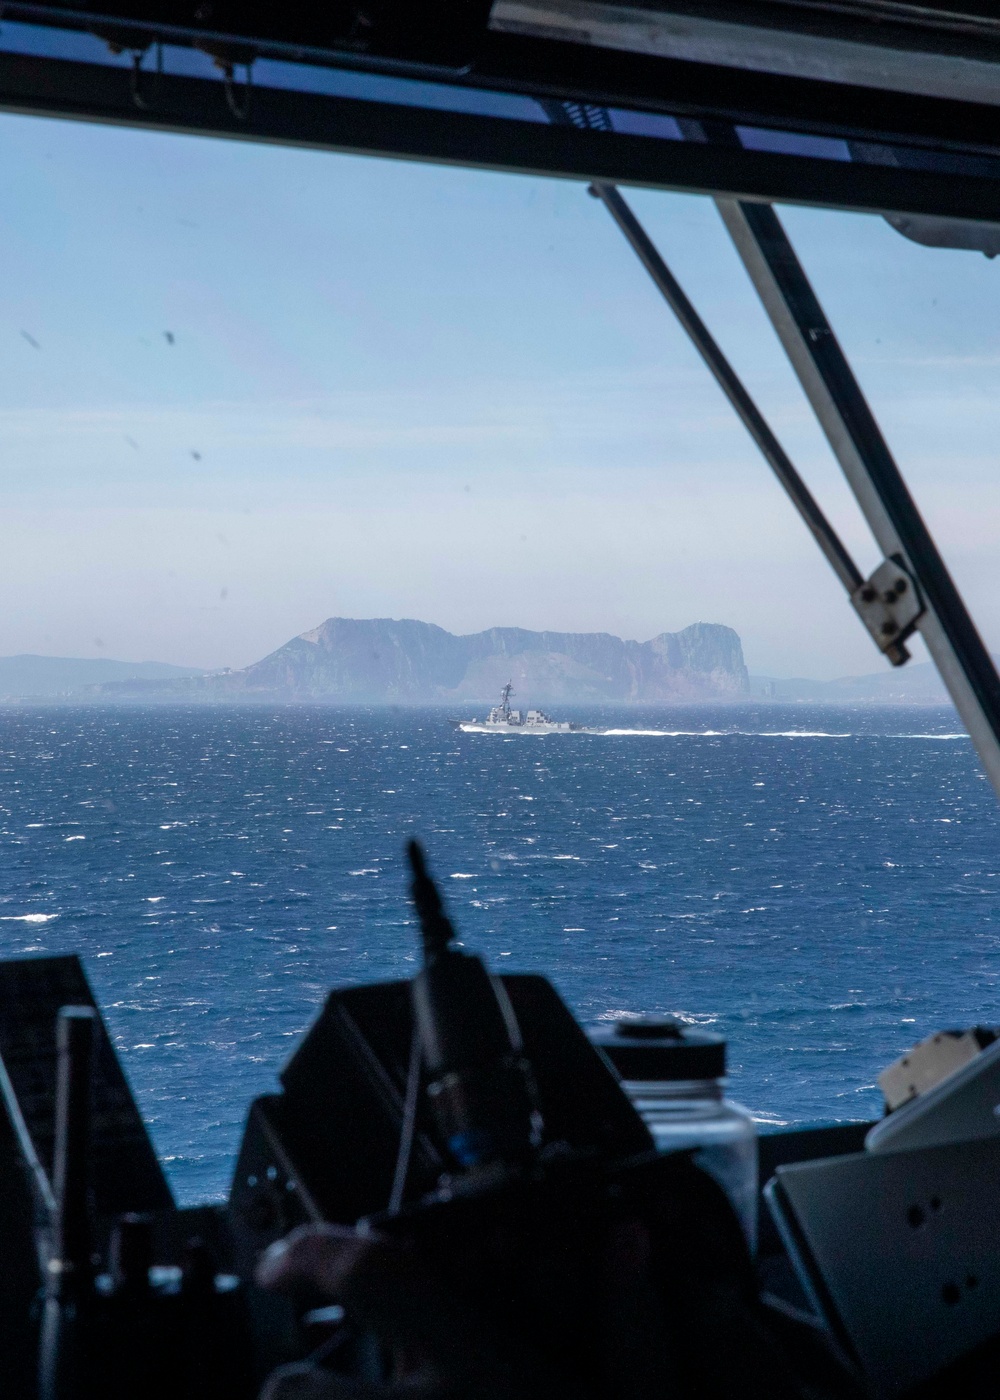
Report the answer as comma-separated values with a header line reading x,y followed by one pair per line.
x,y
890,606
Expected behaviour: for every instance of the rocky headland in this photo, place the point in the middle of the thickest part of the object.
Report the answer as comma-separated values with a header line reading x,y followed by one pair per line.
x,y
384,661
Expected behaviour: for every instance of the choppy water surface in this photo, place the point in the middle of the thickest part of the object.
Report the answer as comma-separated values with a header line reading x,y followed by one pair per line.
x,y
819,884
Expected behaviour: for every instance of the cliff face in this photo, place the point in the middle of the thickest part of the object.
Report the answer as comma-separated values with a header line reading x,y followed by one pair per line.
x,y
346,658
381,660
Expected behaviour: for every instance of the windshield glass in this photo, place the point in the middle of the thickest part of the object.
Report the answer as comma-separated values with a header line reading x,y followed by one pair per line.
x,y
249,393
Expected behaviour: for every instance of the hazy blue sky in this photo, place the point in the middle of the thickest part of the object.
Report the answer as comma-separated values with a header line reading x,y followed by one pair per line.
x,y
435,393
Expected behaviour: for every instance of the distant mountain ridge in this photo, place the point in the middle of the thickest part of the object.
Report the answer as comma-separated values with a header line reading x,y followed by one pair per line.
x,y
26,677
918,684
384,660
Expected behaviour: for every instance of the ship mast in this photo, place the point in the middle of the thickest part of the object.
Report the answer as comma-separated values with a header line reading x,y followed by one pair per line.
x,y
505,695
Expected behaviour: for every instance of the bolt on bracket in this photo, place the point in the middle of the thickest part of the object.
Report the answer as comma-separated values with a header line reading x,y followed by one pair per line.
x,y
890,606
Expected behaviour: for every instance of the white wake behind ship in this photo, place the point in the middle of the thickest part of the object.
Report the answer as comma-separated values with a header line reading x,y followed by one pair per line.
x,y
504,720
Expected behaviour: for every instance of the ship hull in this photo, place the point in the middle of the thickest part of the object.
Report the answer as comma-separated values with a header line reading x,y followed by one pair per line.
x,y
482,727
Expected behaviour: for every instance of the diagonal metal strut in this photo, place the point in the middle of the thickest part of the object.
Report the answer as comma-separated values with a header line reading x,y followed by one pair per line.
x,y
822,531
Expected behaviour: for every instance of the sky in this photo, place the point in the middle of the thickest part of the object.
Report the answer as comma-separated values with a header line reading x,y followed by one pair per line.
x,y
246,388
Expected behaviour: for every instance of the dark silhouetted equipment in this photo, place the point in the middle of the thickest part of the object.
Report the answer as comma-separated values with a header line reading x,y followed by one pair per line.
x,y
122,1171
519,1220
66,1323
125,1174
132,1297
329,1146
480,1085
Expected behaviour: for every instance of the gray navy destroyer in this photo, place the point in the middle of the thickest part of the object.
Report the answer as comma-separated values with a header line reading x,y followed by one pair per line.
x,y
504,720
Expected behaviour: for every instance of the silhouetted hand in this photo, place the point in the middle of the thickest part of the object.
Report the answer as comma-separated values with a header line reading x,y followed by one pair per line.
x,y
665,1308
442,1346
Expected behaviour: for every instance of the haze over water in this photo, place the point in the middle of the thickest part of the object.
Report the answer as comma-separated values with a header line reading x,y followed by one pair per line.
x,y
818,884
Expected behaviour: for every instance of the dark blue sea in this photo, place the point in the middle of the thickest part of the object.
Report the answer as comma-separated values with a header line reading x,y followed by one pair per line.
x,y
818,884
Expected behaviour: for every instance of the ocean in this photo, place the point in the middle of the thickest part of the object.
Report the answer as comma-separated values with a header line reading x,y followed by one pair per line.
x,y
820,885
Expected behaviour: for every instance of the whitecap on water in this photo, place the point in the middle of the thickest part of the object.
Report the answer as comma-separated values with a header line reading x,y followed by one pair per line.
x,y
728,734
27,918
763,734
655,733
927,736
686,1017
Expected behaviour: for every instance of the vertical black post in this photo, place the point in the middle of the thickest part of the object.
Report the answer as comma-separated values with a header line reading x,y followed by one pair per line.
x,y
857,442
61,1362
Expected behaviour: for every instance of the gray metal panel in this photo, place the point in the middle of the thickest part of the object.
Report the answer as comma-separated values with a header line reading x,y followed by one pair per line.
x,y
900,1252
675,32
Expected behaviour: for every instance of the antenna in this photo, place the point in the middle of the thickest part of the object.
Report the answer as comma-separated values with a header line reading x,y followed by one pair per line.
x,y
435,926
